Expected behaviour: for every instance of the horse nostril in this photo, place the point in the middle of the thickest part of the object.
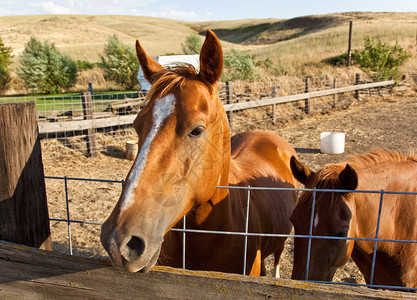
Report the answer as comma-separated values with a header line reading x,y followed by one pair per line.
x,y
136,248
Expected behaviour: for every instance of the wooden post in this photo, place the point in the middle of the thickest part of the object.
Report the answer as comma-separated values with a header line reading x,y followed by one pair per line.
x,y
229,96
24,217
88,115
357,81
274,106
349,55
307,101
335,95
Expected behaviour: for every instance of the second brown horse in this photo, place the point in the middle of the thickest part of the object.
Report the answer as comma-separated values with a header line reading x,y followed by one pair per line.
x,y
355,215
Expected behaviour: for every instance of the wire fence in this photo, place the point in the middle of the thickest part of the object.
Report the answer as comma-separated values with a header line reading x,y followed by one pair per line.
x,y
68,220
77,124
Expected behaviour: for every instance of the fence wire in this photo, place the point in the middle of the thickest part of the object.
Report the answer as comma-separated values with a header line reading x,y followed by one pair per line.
x,y
69,111
68,220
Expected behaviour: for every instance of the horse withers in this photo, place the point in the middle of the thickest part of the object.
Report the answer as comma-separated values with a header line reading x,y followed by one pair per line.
x,y
355,215
185,152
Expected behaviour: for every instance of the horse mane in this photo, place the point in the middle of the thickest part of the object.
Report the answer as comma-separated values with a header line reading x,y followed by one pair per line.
x,y
377,157
327,177
171,77
368,161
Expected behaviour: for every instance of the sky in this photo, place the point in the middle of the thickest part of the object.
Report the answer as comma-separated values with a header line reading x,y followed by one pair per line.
x,y
201,10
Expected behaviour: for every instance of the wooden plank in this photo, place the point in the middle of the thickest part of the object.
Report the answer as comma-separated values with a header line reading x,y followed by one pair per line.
x,y
33,273
24,214
85,124
291,98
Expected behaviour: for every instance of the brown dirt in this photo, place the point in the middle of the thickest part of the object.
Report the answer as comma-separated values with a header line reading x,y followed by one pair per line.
x,y
387,123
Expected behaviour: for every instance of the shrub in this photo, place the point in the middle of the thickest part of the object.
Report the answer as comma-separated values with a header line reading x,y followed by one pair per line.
x,y
5,61
120,63
192,44
44,69
238,66
84,65
4,80
380,60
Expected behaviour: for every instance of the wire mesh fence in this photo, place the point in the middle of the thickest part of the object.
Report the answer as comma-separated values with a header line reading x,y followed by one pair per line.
x,y
63,223
89,124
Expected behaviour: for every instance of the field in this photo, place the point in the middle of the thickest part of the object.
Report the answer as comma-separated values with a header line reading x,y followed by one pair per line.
x,y
300,46
377,122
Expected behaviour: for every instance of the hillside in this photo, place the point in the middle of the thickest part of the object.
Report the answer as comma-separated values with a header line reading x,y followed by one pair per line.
x,y
299,46
83,36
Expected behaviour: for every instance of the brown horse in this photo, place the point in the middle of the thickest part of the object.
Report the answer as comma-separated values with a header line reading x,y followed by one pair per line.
x,y
185,152
354,215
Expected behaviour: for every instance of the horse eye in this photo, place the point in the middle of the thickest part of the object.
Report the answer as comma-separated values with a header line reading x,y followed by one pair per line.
x,y
198,131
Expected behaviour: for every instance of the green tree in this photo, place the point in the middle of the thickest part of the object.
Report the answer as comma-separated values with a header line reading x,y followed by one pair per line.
x,y
5,61
120,63
380,60
239,66
44,69
192,44
5,55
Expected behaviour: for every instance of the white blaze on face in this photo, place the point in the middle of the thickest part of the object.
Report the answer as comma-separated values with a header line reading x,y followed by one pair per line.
x,y
163,108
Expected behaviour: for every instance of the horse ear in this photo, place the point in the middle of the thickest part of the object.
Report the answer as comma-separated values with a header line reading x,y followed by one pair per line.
x,y
348,178
149,66
300,171
211,59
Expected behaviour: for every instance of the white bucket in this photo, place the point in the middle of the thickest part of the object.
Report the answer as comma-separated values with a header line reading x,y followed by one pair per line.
x,y
332,142
131,149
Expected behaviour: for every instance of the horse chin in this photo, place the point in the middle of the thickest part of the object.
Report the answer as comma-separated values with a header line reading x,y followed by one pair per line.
x,y
139,266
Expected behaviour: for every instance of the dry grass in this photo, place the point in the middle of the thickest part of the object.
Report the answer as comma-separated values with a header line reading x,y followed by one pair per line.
x,y
298,46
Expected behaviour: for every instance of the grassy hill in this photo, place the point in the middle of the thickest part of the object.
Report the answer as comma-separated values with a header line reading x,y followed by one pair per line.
x,y
296,46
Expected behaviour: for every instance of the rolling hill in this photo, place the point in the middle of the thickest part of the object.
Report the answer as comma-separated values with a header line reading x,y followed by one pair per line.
x,y
83,36
298,46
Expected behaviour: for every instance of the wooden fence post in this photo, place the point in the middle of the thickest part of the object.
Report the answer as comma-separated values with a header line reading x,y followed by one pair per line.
x,y
24,217
229,96
87,102
307,101
349,56
274,106
357,81
335,96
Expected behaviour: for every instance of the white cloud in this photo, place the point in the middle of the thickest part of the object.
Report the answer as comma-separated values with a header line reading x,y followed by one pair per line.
x,y
153,8
176,13
53,8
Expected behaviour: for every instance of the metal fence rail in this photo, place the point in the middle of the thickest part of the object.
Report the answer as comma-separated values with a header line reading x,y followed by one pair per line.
x,y
81,123
247,234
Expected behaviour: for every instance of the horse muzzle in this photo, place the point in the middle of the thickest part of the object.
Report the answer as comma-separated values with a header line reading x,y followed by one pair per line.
x,y
132,253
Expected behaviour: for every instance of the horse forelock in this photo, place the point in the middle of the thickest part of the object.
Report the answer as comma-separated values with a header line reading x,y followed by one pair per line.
x,y
168,79
324,179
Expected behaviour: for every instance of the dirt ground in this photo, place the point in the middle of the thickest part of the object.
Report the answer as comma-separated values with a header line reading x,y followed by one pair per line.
x,y
380,122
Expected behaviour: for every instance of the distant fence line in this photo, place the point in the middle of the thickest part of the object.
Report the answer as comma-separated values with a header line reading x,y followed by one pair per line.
x,y
80,122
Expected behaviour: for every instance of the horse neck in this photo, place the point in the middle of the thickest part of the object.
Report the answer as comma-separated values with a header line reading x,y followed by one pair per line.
x,y
365,218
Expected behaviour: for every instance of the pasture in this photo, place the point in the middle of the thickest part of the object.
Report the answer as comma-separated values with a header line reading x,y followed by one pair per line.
x,y
377,122
300,46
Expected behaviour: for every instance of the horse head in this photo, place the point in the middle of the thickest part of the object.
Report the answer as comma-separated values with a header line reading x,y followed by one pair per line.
x,y
184,153
332,217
